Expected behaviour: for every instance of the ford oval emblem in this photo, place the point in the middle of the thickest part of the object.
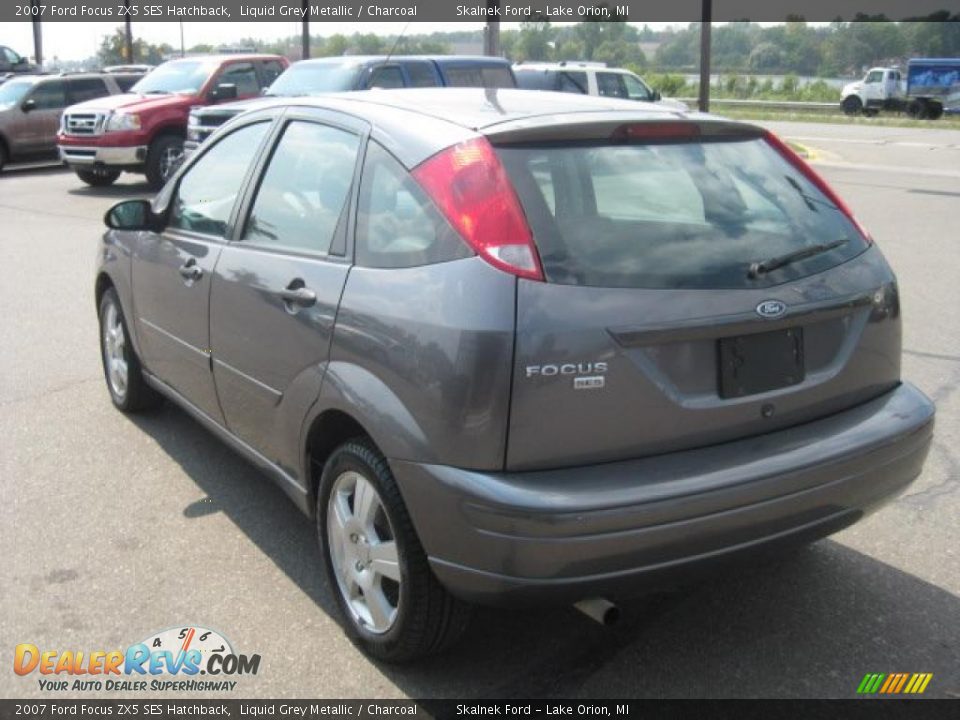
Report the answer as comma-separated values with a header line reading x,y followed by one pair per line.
x,y
771,309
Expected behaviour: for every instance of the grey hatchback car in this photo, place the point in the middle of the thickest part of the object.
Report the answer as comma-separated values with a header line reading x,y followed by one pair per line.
x,y
514,348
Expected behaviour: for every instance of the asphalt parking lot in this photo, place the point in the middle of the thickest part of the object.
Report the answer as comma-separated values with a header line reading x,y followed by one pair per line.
x,y
113,528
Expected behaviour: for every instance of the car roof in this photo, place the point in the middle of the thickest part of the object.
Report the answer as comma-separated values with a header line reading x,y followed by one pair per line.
x,y
41,77
224,57
414,124
440,59
479,108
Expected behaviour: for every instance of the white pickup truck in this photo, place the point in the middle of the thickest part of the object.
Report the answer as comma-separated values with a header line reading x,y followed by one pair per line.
x,y
931,86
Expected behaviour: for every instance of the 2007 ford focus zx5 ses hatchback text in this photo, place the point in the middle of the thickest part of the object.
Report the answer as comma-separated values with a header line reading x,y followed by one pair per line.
x,y
516,347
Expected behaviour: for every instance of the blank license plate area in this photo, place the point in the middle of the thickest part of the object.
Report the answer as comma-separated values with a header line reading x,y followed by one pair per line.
x,y
751,364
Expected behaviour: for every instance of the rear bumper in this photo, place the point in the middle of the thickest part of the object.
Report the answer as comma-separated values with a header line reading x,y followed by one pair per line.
x,y
85,156
613,529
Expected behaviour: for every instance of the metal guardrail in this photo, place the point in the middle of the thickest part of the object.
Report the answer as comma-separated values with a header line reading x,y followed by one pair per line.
x,y
769,104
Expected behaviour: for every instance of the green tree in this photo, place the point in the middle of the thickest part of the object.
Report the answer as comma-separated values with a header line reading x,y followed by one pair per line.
x,y
535,42
113,50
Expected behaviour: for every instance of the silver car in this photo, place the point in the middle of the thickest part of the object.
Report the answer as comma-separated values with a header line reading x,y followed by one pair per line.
x,y
515,348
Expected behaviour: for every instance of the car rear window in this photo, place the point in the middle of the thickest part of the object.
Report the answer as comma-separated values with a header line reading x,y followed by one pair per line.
x,y
673,214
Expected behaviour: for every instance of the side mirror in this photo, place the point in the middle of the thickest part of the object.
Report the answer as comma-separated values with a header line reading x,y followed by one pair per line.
x,y
655,95
28,105
131,215
224,91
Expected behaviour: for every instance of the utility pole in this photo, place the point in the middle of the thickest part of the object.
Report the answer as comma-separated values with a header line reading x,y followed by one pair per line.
x,y
305,36
183,47
491,33
37,38
706,17
128,30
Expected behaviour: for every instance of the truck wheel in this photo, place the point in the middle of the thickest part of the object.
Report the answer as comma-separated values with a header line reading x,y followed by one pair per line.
x,y
913,109
392,604
163,159
98,178
852,105
934,110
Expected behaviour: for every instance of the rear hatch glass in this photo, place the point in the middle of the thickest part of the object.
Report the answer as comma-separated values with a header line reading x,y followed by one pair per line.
x,y
674,214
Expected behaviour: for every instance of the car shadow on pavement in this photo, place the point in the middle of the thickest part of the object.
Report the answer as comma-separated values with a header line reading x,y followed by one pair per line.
x,y
811,623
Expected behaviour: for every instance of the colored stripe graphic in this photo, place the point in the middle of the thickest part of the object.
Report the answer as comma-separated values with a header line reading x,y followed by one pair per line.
x,y
894,683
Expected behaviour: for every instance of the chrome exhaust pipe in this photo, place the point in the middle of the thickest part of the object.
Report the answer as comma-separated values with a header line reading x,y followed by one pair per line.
x,y
599,610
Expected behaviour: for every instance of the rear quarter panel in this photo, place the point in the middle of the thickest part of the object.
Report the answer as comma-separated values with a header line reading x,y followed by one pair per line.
x,y
422,357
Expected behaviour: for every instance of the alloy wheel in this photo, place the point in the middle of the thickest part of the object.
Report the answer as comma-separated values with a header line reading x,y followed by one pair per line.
x,y
114,345
363,553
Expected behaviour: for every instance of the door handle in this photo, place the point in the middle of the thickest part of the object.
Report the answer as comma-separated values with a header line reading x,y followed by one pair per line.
x,y
301,296
190,270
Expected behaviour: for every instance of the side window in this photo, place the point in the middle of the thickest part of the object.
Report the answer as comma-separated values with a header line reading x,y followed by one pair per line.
x,y
208,190
875,76
397,224
573,82
478,76
611,85
83,89
49,96
243,76
421,74
271,70
636,90
125,82
302,198
10,56
386,77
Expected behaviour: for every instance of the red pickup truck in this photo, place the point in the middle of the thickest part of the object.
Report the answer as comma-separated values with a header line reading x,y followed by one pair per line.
x,y
143,131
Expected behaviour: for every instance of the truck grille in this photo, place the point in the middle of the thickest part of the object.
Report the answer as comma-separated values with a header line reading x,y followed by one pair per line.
x,y
83,124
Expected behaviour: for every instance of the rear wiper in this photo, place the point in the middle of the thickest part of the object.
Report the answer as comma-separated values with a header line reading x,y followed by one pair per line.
x,y
764,266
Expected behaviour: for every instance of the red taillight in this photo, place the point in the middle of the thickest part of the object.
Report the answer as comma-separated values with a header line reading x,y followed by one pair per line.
x,y
470,186
810,174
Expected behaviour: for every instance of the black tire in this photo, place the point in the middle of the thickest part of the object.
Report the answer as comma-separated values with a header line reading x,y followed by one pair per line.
x,y
852,105
136,394
913,109
428,619
934,110
98,178
163,159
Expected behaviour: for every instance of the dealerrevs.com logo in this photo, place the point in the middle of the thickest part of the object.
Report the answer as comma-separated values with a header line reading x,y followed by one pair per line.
x,y
179,659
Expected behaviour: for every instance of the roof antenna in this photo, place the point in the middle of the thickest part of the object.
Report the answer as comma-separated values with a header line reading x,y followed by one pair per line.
x,y
397,42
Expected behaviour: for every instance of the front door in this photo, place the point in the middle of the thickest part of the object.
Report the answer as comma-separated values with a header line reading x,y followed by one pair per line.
x,y
172,269
40,120
276,288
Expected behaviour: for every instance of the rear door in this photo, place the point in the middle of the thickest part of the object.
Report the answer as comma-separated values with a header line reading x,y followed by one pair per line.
x,y
172,270
276,287
650,333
